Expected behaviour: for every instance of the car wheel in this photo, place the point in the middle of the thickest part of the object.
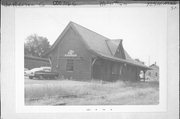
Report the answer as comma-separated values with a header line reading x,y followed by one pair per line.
x,y
30,77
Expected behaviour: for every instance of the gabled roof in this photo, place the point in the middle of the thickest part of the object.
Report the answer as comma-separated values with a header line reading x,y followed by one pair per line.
x,y
98,44
113,44
94,40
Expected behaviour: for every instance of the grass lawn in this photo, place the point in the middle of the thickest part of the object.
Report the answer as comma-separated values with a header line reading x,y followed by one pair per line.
x,y
68,92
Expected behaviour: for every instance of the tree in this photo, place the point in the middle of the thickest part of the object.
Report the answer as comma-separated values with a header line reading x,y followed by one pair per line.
x,y
36,45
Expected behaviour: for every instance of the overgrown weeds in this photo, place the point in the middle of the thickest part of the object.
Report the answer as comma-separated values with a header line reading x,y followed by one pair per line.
x,y
68,92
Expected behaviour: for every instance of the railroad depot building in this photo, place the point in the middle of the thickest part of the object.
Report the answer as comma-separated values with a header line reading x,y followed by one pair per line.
x,y
82,54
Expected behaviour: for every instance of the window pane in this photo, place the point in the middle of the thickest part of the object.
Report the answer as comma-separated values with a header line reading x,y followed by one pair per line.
x,y
69,65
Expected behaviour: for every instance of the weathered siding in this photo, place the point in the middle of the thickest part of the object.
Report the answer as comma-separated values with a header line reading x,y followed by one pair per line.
x,y
113,71
129,73
82,62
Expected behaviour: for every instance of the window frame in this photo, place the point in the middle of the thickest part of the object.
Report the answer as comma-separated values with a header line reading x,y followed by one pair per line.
x,y
69,65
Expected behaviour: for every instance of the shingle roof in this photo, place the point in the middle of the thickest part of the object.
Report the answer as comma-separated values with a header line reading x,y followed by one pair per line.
x,y
113,44
100,45
94,40
134,63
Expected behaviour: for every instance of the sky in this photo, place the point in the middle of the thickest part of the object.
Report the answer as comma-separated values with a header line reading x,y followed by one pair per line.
x,y
141,28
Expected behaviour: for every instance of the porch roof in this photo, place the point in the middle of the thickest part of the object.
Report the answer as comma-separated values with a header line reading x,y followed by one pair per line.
x,y
131,62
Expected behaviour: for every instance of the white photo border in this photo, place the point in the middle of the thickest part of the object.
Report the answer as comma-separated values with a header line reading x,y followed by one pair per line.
x,y
22,108
13,107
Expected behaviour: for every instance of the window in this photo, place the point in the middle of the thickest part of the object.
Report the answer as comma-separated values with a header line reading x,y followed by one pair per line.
x,y
70,65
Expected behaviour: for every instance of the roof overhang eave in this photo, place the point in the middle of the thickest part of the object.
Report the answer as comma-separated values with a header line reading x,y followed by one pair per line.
x,y
119,60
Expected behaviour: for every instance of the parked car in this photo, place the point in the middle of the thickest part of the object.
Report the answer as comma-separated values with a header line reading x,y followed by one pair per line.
x,y
26,72
43,73
48,69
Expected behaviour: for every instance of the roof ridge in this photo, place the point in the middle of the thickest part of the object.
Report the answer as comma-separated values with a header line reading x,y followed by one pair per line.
x,y
72,23
93,43
75,25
